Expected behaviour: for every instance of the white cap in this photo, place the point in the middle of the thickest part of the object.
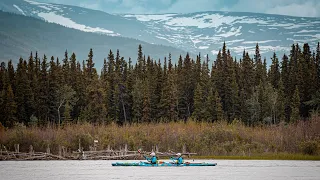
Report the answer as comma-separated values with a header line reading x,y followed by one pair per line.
x,y
178,154
152,154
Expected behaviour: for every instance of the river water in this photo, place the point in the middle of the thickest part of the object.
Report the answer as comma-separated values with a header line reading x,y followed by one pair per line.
x,y
96,170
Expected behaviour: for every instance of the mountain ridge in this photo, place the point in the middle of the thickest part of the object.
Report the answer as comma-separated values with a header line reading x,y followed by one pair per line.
x,y
53,40
222,12
203,32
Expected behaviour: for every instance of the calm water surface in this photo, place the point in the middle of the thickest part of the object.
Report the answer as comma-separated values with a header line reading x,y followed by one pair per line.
x,y
226,169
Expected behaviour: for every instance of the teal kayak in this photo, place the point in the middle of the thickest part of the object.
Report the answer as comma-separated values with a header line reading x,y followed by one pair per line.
x,y
161,164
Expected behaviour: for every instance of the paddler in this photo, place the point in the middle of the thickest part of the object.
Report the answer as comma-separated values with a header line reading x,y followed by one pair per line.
x,y
153,159
178,159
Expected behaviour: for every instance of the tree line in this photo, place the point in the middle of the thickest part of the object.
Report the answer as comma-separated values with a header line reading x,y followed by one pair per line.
x,y
42,91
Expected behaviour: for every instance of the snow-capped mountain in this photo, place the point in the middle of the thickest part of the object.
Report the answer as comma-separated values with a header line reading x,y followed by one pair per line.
x,y
207,31
202,32
21,34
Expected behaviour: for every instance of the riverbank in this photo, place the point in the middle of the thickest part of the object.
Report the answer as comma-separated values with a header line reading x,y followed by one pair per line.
x,y
217,140
263,157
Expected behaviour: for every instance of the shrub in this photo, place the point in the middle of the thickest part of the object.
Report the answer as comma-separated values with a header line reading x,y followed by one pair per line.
x,y
310,147
86,140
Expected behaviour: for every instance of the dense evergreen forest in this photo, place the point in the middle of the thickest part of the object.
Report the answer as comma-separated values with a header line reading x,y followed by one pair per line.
x,y
46,90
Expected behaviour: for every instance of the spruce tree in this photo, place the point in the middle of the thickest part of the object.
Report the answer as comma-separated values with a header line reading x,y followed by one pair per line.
x,y
186,89
141,63
10,108
21,78
213,75
274,73
281,103
235,110
90,70
300,75
198,103
104,71
258,66
37,62
197,68
218,77
312,87
210,105
146,109
129,86
30,67
247,75
151,91
218,107
265,74
214,106
173,91
244,115
124,94
285,73
138,100
24,95
95,109
164,104
33,76
44,91
307,73
53,88
253,106
263,100
11,76
165,69
158,85
117,86
293,70
80,88
295,105
110,89
66,68
73,76
237,71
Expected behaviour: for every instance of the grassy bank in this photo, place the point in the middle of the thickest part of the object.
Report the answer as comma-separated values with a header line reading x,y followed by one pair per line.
x,y
210,140
281,156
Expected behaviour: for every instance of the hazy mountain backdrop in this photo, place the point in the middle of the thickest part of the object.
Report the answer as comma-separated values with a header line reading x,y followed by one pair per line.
x,y
202,32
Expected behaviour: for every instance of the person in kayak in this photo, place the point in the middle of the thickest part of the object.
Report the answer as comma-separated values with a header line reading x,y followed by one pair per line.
x,y
178,159
153,159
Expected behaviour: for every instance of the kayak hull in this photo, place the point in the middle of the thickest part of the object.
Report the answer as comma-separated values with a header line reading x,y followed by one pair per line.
x,y
160,164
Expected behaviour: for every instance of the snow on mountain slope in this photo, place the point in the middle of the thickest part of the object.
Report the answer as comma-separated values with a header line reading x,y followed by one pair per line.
x,y
53,13
17,7
52,39
202,32
208,30
54,18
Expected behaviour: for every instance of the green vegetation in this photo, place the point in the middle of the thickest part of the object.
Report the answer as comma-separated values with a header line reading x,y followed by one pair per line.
x,y
234,108
58,92
209,140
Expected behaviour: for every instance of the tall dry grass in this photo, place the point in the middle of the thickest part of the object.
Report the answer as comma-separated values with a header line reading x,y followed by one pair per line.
x,y
208,139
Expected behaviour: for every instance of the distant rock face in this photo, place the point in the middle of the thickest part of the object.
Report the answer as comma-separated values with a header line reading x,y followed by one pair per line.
x,y
202,32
